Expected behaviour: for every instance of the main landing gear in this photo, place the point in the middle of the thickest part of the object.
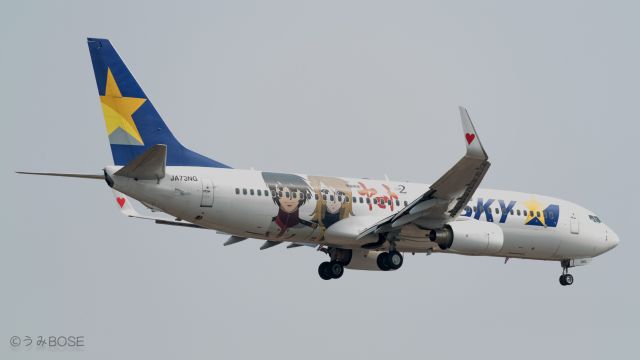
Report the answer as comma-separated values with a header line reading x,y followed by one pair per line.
x,y
390,260
335,268
566,278
330,270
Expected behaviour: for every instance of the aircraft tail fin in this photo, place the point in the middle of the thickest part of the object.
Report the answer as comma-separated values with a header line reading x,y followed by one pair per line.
x,y
133,124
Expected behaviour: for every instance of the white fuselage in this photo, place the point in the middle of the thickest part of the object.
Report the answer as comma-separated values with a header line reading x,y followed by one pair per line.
x,y
241,203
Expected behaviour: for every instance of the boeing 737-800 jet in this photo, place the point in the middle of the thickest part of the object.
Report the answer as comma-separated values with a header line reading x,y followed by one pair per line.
x,y
359,223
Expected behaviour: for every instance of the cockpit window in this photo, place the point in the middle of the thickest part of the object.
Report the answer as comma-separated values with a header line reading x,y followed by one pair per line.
x,y
595,219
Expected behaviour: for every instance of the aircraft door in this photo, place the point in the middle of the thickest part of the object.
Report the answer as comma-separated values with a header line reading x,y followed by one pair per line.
x,y
574,224
207,193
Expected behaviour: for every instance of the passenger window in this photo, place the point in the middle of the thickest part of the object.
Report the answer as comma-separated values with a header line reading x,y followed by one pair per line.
x,y
511,211
531,213
361,200
294,194
266,193
251,191
354,199
368,201
518,212
406,203
244,191
475,208
259,192
389,202
397,202
316,196
538,213
497,211
375,200
324,197
237,191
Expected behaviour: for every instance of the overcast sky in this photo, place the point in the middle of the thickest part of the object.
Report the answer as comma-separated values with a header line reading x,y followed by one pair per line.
x,y
347,88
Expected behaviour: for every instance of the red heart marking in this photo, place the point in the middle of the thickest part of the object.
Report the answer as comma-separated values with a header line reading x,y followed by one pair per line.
x,y
121,201
470,138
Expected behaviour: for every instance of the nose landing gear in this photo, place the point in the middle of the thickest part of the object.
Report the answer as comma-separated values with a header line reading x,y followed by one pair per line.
x,y
566,279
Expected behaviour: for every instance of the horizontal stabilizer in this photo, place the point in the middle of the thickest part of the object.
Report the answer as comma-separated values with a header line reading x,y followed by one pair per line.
x,y
234,240
148,166
81,176
126,208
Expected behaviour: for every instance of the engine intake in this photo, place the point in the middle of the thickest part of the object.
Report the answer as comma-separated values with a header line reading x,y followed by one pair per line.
x,y
469,237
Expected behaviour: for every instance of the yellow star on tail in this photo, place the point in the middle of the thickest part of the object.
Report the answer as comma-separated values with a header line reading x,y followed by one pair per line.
x,y
118,109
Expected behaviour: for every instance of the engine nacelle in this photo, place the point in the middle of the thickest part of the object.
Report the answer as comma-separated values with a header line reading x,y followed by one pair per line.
x,y
469,237
364,260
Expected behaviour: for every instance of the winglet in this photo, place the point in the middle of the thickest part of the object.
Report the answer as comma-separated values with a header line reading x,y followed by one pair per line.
x,y
471,139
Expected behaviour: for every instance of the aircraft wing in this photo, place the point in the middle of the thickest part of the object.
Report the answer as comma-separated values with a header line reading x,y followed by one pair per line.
x,y
448,195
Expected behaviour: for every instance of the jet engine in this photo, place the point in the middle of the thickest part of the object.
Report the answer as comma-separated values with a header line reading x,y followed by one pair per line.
x,y
469,237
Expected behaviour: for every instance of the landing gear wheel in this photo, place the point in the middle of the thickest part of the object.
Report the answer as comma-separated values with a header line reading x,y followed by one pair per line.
x,y
323,271
566,279
335,270
394,260
383,263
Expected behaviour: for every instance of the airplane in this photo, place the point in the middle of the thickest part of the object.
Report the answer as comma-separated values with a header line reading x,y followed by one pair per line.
x,y
358,223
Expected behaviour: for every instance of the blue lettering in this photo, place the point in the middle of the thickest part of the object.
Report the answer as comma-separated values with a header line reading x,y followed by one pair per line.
x,y
484,208
467,211
505,210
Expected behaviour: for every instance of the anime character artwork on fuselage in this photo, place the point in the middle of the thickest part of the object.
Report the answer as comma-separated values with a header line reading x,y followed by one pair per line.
x,y
289,192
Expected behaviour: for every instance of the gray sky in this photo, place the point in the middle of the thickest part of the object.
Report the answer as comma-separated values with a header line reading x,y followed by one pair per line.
x,y
331,88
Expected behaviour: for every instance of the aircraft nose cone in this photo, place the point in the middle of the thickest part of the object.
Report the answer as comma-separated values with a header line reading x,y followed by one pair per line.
x,y
612,239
